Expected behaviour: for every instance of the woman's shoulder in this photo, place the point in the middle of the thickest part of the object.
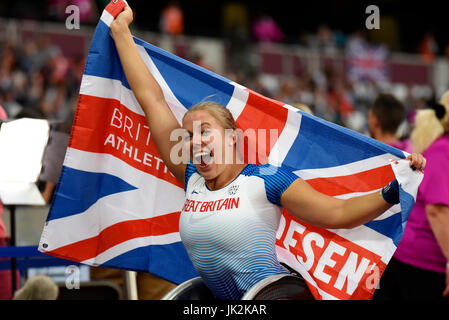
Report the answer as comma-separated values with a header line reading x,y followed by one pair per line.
x,y
271,174
264,170
440,145
276,179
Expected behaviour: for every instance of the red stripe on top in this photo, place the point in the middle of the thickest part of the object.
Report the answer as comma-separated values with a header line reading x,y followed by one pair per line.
x,y
115,7
259,116
106,126
118,233
365,181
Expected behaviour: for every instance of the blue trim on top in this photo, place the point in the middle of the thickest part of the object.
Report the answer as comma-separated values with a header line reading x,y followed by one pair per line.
x,y
277,179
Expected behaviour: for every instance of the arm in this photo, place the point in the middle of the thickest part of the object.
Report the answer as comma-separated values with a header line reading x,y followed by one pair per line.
x,y
313,207
147,91
438,217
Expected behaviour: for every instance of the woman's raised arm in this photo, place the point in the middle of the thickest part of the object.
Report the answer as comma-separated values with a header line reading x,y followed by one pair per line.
x,y
148,93
313,207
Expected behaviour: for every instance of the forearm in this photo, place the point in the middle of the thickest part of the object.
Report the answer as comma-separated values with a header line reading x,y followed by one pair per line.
x,y
438,217
360,210
311,206
146,89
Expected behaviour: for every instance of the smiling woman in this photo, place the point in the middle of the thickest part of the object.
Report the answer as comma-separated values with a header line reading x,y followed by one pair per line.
x,y
232,209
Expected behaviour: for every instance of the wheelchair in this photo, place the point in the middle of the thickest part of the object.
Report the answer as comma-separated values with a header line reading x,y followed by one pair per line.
x,y
276,287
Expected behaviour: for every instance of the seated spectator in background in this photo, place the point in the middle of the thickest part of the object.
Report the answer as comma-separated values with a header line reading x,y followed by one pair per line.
x,y
172,19
265,29
40,287
303,107
3,115
419,268
384,118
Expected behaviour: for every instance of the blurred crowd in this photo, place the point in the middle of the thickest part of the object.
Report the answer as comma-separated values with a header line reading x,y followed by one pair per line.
x,y
37,80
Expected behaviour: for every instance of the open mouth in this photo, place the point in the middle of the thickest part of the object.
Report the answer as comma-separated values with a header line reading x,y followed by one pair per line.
x,y
203,158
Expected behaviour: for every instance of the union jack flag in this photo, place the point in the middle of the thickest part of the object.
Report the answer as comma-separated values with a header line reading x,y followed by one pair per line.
x,y
367,62
117,205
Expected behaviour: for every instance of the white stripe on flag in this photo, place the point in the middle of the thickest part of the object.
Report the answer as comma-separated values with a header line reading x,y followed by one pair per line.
x,y
131,245
346,169
408,179
286,138
110,89
238,100
152,192
107,163
107,18
175,105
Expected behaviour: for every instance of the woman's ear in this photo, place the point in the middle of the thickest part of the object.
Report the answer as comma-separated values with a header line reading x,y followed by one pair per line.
x,y
231,137
235,137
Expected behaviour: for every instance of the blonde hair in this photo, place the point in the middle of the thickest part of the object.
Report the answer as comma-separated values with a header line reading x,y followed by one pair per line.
x,y
218,111
303,107
428,127
40,287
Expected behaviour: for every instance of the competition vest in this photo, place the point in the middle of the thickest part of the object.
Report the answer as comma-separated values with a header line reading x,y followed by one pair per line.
x,y
230,233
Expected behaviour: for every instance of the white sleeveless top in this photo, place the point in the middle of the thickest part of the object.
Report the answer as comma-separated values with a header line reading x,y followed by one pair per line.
x,y
230,233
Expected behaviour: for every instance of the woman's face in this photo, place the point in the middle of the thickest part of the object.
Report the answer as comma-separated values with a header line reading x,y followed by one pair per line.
x,y
211,146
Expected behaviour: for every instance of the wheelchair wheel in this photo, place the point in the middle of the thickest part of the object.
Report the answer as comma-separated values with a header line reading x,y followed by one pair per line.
x,y
193,289
280,287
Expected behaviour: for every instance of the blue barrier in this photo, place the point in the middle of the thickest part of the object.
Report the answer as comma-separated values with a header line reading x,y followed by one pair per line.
x,y
29,257
25,251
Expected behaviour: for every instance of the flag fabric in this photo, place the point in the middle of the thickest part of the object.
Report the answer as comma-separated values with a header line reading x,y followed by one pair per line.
x,y
367,62
116,204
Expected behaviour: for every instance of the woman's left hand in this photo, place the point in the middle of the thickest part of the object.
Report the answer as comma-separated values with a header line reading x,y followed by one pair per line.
x,y
417,161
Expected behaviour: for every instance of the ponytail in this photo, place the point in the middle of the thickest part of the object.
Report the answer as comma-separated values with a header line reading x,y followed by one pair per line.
x,y
430,124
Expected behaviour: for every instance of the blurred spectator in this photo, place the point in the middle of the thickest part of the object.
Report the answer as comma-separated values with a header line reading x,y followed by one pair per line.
x,y
324,41
172,19
3,115
303,107
419,268
428,47
40,287
52,161
266,29
340,101
235,28
384,118
88,12
234,18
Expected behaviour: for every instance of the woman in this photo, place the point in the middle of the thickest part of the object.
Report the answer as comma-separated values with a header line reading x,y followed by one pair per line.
x,y
232,210
419,268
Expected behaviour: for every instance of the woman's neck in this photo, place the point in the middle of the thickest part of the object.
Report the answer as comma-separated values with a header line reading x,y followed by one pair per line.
x,y
228,175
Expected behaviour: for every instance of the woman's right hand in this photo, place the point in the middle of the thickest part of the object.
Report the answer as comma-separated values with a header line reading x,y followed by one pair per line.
x,y
122,21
